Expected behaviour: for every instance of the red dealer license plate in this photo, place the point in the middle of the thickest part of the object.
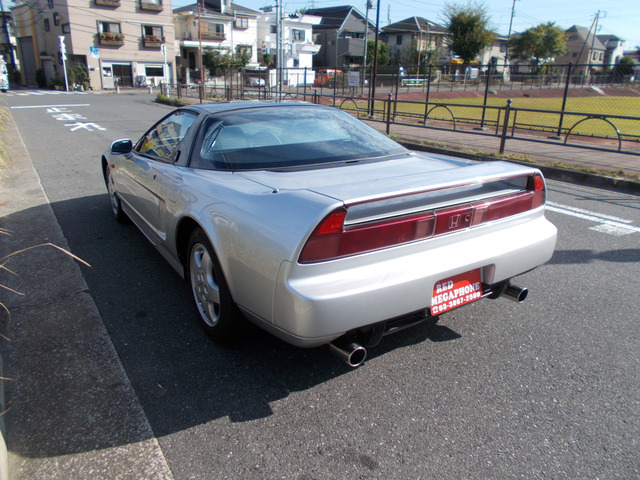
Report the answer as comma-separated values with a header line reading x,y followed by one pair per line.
x,y
456,291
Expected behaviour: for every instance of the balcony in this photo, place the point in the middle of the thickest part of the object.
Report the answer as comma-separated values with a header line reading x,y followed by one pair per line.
x,y
220,37
151,41
108,3
111,39
153,6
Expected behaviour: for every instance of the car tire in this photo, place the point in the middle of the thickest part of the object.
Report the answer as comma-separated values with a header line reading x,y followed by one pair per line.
x,y
219,315
114,200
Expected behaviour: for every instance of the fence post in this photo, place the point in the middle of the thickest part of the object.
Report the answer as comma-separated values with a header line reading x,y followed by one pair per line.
x,y
505,126
426,101
564,99
486,93
200,91
305,84
395,100
315,95
389,113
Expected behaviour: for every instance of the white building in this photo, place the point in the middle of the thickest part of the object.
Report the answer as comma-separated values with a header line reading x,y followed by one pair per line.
x,y
297,42
220,25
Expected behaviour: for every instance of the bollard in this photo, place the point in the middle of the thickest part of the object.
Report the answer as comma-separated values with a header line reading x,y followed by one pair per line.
x,y
150,88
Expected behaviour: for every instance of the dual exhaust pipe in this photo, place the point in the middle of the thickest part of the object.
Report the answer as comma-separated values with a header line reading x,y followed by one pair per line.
x,y
354,354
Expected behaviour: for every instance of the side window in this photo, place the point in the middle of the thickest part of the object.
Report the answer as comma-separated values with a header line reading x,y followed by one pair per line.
x,y
163,139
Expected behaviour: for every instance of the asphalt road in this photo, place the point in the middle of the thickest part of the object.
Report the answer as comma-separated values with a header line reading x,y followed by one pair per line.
x,y
544,389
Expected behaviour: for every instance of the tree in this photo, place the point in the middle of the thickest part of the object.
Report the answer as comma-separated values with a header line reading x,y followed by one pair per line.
x,y
469,29
383,53
217,62
540,45
624,67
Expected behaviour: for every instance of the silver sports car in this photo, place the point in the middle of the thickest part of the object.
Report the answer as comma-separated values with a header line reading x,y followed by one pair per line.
x,y
320,229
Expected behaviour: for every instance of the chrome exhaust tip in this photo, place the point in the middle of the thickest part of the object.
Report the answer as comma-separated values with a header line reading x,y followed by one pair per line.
x,y
350,353
516,293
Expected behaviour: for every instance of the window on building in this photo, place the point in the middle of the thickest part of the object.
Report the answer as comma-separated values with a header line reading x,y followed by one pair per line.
x,y
248,49
108,27
298,34
574,55
56,19
241,22
573,38
47,25
273,29
296,63
152,31
50,3
354,34
595,55
154,71
601,56
66,28
399,40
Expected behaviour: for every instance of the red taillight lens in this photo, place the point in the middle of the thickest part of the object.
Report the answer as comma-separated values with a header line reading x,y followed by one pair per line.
x,y
332,239
327,242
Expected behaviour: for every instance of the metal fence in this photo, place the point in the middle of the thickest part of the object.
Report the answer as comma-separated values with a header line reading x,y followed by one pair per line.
x,y
552,106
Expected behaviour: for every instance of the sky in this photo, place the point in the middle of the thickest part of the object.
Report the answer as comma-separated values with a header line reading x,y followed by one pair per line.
x,y
617,17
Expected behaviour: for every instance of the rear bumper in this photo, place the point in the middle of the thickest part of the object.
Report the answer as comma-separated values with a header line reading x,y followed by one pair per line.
x,y
315,304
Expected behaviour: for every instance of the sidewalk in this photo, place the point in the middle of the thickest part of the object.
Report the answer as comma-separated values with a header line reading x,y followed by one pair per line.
x,y
70,409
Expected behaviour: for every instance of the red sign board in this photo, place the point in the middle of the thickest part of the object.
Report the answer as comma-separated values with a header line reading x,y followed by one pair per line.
x,y
456,291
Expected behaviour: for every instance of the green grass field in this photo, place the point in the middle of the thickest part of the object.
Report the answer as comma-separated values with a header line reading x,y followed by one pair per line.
x,y
606,105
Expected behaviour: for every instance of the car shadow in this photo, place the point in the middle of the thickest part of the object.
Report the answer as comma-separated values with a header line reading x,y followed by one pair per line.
x,y
63,390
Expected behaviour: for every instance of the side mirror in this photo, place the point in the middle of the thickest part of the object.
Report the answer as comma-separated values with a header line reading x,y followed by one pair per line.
x,y
121,147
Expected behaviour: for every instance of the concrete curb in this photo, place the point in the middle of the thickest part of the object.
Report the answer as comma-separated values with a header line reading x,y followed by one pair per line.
x,y
550,172
73,412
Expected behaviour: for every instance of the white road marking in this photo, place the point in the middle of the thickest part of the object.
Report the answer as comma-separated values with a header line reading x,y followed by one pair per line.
x,y
606,223
53,106
29,93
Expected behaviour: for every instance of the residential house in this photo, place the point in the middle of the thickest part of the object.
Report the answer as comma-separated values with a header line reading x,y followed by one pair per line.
x,y
614,49
116,40
297,44
341,32
219,25
584,50
8,39
495,53
410,38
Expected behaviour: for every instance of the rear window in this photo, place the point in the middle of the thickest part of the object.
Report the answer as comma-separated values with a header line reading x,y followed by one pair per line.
x,y
286,136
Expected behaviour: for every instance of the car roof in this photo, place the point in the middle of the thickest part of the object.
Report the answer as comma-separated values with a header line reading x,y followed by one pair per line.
x,y
229,106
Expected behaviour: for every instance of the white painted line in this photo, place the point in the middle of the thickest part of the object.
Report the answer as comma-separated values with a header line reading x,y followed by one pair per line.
x,y
587,212
52,106
617,227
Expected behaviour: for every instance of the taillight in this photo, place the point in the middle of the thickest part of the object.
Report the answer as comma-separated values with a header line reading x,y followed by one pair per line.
x,y
328,241
333,239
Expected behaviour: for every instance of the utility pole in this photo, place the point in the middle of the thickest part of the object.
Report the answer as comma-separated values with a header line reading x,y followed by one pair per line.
x,y
200,44
374,70
506,53
366,32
